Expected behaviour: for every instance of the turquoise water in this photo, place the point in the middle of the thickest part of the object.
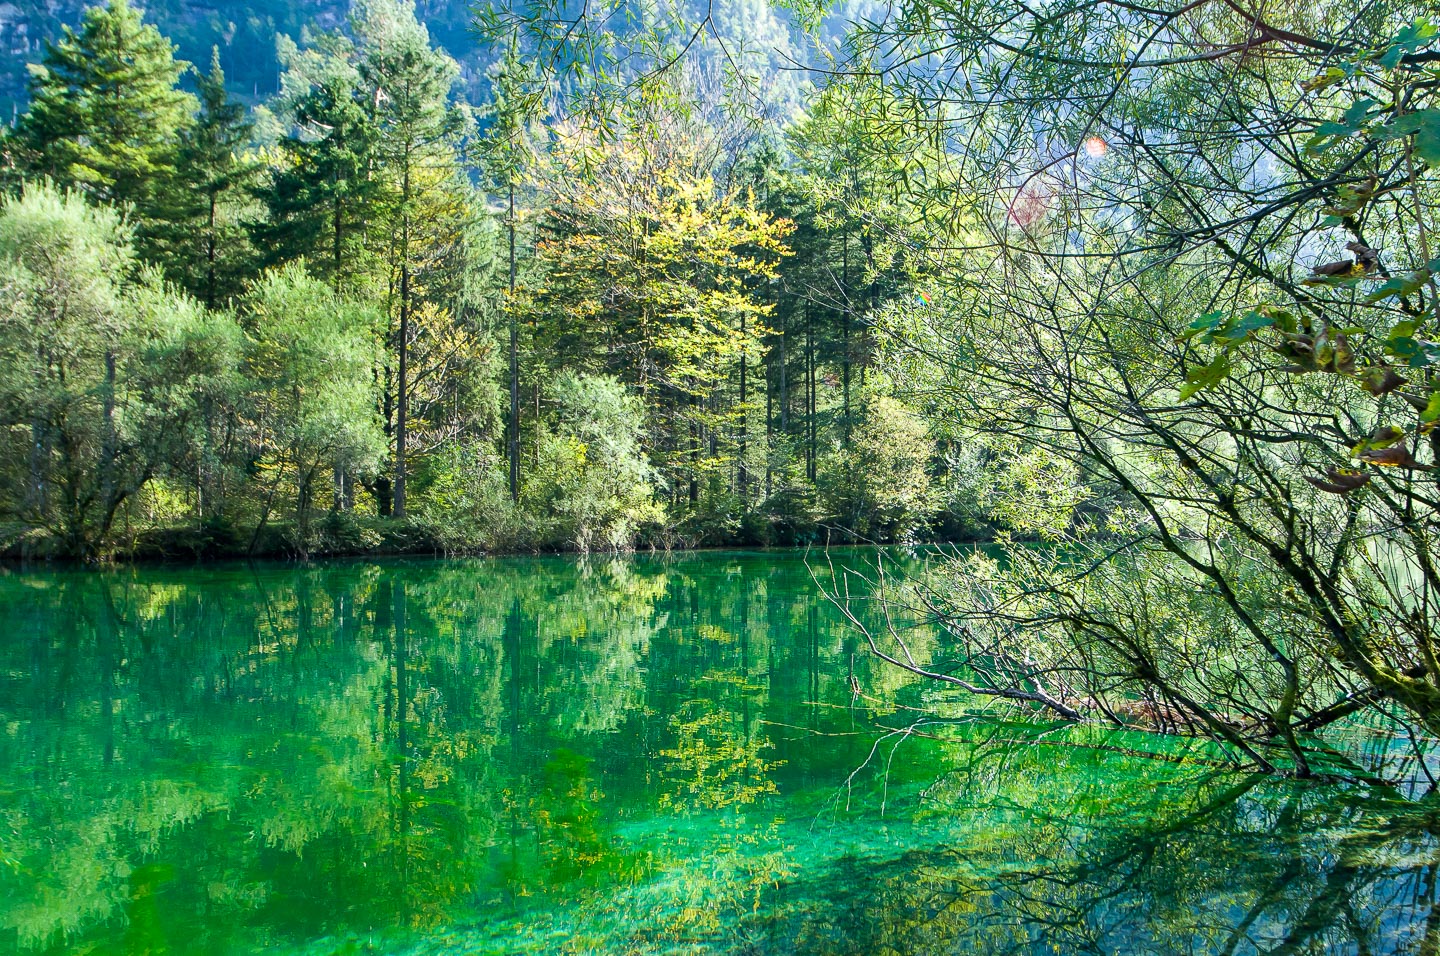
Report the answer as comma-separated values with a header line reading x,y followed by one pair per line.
x,y
657,755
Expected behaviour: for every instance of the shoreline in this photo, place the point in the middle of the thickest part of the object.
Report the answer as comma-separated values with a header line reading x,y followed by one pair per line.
x,y
149,554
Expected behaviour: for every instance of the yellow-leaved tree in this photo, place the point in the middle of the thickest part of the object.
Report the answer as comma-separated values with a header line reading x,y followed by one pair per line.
x,y
654,272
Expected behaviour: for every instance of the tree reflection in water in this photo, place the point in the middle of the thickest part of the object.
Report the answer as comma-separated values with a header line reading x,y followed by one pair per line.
x,y
657,755
1042,852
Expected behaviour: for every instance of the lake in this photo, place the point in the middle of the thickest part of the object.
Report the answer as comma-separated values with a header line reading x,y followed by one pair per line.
x,y
682,754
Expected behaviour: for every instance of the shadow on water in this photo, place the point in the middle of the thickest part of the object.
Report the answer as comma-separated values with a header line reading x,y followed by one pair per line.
x,y
655,755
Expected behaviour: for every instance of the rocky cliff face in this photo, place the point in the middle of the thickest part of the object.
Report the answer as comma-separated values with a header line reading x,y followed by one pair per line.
x,y
15,38
24,25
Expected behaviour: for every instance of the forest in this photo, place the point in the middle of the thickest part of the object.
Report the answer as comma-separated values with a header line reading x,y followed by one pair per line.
x,y
368,314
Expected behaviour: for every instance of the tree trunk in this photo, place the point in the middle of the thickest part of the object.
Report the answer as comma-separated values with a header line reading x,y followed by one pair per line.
x,y
110,449
35,489
869,246
769,419
743,474
514,442
784,378
694,455
210,256
344,493
402,397
845,326
809,394
337,242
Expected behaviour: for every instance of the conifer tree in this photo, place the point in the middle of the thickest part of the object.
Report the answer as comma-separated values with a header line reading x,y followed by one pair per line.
x,y
370,189
514,87
420,129
210,254
319,192
106,116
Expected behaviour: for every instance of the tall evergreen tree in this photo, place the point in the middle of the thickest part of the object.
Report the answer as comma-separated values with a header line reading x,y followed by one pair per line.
x,y
210,254
319,193
106,116
420,129
371,191
514,85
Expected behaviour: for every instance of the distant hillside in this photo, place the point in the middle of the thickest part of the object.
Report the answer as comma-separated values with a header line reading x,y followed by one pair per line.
x,y
245,31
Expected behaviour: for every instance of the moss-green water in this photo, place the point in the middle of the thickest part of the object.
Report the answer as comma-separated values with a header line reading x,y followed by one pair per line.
x,y
643,756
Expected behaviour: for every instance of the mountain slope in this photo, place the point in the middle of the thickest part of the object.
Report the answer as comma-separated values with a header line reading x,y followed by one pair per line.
x,y
245,31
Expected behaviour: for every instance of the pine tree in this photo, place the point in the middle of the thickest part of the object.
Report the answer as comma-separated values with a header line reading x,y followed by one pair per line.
x,y
320,192
514,85
420,130
210,255
105,114
371,191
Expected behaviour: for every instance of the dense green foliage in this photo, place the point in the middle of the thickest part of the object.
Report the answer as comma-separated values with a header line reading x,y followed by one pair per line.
x,y
107,373
676,304
1179,269
1152,284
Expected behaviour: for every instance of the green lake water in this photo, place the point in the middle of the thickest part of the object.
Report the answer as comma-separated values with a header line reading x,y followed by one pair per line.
x,y
687,754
